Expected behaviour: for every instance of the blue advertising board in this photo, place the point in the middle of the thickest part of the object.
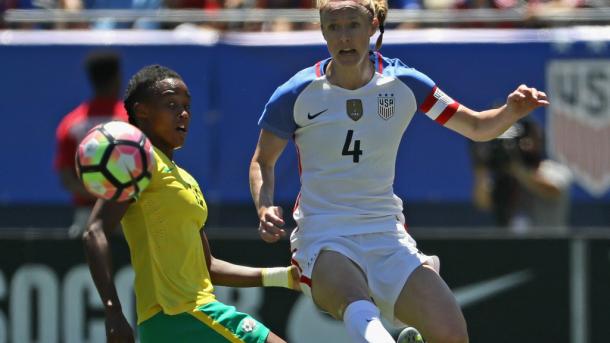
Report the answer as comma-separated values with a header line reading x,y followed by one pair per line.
x,y
232,77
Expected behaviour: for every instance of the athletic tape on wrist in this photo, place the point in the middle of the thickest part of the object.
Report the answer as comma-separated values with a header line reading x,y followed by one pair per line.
x,y
277,277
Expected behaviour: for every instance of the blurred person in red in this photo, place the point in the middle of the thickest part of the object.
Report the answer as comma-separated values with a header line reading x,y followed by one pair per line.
x,y
104,74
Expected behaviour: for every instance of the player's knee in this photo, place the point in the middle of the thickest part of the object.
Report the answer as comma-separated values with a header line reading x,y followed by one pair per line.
x,y
87,234
273,338
334,302
335,307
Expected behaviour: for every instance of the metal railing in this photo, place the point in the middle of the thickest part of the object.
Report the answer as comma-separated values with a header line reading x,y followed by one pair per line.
x,y
553,17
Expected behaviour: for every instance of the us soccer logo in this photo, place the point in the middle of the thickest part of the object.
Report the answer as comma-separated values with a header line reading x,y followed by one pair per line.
x,y
578,120
385,105
354,110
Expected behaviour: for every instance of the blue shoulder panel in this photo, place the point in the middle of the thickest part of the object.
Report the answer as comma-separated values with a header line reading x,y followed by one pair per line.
x,y
418,82
278,116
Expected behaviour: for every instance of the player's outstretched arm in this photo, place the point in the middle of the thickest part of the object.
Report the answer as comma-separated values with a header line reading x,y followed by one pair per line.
x,y
224,273
104,219
489,124
262,185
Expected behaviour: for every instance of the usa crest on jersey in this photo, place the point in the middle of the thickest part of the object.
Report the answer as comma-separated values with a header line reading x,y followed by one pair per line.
x,y
354,109
385,105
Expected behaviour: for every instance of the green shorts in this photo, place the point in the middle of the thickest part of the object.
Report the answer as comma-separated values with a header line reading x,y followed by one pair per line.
x,y
211,323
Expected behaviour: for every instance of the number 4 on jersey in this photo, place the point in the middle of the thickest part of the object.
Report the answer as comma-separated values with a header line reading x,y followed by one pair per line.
x,y
346,147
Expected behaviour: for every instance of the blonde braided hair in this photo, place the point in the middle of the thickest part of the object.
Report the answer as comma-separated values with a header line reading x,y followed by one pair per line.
x,y
377,8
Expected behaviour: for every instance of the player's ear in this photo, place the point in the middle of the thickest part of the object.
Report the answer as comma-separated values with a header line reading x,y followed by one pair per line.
x,y
374,26
141,110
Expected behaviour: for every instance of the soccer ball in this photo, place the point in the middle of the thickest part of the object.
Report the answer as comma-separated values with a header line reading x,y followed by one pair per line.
x,y
115,161
410,335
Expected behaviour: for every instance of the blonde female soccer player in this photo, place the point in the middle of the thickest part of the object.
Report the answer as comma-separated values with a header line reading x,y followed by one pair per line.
x,y
347,115
174,268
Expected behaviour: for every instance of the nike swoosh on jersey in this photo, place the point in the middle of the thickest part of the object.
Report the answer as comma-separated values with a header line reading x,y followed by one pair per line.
x,y
311,116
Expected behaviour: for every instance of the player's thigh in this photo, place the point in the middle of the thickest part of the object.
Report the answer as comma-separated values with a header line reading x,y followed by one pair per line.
x,y
336,282
427,303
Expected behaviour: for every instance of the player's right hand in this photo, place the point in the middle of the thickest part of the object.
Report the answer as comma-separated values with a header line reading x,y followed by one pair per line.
x,y
525,99
118,329
271,223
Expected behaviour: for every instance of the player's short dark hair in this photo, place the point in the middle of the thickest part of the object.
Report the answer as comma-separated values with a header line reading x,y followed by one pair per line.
x,y
142,86
103,67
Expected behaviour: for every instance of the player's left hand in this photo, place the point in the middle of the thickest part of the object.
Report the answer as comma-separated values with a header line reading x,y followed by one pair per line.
x,y
271,223
525,99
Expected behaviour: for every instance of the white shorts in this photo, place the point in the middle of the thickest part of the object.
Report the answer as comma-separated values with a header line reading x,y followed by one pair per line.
x,y
386,258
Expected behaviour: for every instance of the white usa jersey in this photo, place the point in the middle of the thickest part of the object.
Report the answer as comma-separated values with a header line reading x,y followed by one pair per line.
x,y
347,142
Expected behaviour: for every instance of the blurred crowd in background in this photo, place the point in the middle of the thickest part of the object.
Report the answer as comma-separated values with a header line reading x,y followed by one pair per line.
x,y
528,9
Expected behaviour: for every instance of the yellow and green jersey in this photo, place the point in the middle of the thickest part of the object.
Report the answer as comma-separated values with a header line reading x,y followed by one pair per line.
x,y
162,230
